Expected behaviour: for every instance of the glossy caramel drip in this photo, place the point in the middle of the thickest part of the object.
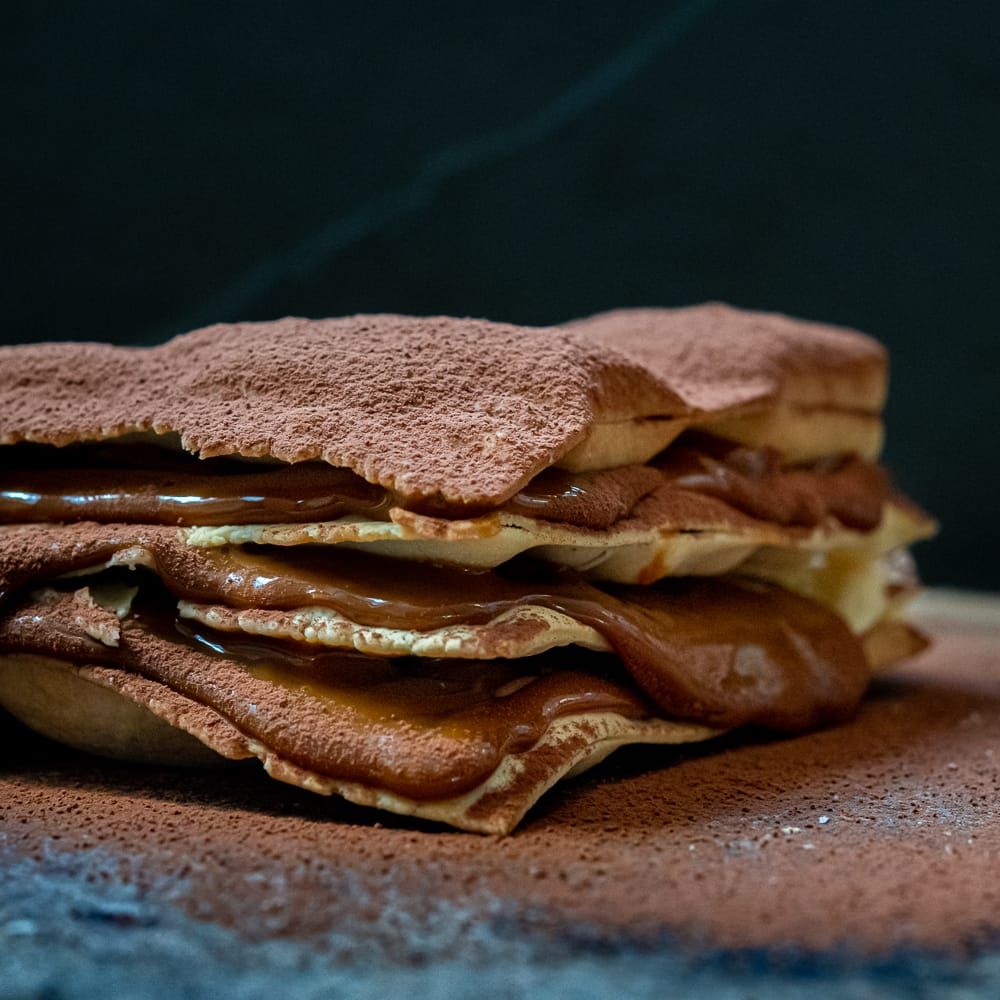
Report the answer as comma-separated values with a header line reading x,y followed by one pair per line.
x,y
150,485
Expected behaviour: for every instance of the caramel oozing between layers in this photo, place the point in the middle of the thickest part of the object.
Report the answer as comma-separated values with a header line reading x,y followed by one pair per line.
x,y
459,698
428,730
150,485
722,652
755,481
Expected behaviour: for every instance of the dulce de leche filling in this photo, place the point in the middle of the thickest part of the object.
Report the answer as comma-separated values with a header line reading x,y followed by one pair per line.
x,y
151,485
722,652
719,651
426,729
716,651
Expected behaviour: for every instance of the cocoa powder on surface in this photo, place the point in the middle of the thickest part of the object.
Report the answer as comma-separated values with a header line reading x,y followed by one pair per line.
x,y
876,835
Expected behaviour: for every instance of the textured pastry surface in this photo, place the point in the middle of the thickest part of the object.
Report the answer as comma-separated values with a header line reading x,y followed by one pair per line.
x,y
464,410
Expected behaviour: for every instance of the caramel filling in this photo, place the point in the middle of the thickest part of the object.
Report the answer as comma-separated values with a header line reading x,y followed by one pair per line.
x,y
719,651
150,485
755,481
727,652
425,729
496,702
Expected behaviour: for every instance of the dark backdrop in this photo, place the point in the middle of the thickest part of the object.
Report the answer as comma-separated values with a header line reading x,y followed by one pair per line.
x,y
168,165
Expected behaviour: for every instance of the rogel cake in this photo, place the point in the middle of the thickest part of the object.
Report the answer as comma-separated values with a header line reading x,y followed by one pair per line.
x,y
434,565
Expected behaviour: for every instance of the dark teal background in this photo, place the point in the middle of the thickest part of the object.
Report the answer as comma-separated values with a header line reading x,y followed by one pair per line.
x,y
168,165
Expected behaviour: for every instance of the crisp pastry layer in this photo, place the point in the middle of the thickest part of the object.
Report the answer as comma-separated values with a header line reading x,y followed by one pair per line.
x,y
709,539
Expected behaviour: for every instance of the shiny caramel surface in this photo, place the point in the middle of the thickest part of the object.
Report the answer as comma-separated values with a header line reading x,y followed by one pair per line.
x,y
492,701
151,485
142,484
756,481
718,651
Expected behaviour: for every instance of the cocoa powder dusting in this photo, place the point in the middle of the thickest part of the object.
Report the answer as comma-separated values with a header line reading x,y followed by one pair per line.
x,y
465,410
878,834
458,410
714,356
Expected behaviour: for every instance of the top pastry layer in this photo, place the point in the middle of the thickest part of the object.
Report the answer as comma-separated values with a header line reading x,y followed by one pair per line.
x,y
715,357
458,410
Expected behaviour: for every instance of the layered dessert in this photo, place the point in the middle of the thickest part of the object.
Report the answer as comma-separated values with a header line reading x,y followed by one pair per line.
x,y
435,565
